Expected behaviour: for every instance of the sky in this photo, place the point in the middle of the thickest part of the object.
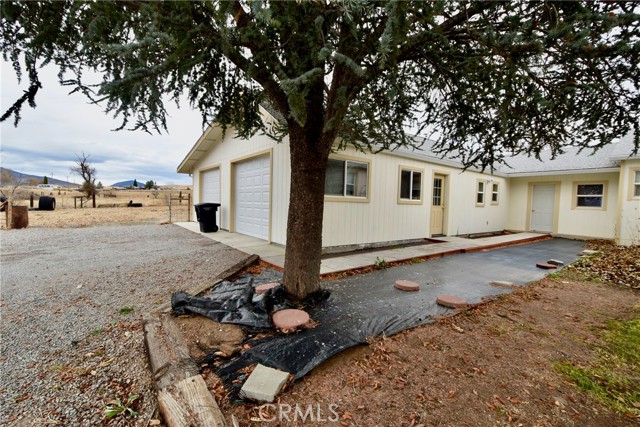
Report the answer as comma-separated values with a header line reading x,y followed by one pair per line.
x,y
49,138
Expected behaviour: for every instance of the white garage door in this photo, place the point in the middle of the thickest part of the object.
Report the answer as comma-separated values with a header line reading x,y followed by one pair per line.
x,y
252,179
210,189
210,182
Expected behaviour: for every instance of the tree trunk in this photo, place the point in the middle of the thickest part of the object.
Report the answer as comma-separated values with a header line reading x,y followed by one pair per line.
x,y
309,154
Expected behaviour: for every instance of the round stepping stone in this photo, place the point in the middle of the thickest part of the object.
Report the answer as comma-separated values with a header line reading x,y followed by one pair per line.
x,y
261,289
451,301
290,319
407,285
545,265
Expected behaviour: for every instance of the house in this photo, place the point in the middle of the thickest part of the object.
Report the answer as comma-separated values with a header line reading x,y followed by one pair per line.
x,y
407,194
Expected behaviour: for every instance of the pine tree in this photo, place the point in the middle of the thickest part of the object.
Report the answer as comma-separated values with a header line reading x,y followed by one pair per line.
x,y
492,78
45,180
135,183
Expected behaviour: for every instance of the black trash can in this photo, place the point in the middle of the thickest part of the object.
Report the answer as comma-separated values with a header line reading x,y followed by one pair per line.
x,y
206,215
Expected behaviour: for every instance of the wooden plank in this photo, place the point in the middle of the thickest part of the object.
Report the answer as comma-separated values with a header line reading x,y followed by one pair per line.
x,y
189,403
158,355
173,413
175,340
202,405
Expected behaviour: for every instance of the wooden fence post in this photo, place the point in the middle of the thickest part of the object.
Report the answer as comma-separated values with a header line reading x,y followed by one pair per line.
x,y
9,213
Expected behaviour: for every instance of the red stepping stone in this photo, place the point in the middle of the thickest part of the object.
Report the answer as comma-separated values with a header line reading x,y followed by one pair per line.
x,y
290,319
451,301
407,285
545,265
261,289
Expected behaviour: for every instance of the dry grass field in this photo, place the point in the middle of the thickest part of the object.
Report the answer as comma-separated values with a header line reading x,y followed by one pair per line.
x,y
164,205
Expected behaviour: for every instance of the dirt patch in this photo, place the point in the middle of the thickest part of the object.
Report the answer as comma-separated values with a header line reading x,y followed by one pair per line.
x,y
204,336
490,365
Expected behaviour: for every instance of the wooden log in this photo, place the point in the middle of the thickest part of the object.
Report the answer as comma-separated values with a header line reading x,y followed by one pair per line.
x,y
188,403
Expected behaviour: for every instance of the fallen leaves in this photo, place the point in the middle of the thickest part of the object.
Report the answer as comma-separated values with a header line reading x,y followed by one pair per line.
x,y
613,264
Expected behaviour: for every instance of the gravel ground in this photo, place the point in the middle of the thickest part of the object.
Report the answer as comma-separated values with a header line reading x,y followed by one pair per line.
x,y
71,303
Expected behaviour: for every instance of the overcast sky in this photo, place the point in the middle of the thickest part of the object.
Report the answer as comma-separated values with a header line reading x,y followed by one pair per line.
x,y
49,137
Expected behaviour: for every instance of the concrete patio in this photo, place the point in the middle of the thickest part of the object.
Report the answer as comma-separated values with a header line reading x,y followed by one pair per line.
x,y
274,254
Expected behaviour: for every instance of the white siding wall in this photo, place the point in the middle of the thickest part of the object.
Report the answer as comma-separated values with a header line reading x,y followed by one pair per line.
x,y
464,215
383,219
629,206
570,221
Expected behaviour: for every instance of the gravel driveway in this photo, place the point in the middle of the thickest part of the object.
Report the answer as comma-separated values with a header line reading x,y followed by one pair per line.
x,y
71,303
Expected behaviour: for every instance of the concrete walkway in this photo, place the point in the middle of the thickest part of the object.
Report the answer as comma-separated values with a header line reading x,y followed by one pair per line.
x,y
274,254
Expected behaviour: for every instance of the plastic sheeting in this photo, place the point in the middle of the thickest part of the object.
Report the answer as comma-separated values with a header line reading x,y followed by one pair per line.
x,y
368,305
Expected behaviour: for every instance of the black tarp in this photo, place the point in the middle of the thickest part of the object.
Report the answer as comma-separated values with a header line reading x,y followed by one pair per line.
x,y
367,305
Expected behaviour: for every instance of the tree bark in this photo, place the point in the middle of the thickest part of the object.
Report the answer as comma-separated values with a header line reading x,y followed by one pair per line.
x,y
309,155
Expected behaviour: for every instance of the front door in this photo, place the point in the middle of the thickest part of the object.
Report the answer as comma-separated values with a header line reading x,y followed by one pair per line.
x,y
437,206
542,207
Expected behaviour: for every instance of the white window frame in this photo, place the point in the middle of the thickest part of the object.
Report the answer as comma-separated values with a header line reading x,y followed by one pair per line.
x,y
412,171
602,196
344,197
481,192
634,188
495,193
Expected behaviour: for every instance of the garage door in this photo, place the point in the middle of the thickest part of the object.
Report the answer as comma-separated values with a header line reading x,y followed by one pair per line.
x,y
210,182
210,189
252,178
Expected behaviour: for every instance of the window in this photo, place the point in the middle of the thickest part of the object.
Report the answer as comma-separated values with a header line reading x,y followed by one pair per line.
x,y
589,195
636,184
346,178
494,193
480,193
437,191
410,185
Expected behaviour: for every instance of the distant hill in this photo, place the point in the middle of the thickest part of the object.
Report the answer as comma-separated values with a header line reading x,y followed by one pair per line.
x,y
16,176
129,183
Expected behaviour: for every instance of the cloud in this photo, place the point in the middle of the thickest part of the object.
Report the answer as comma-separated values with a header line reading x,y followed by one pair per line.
x,y
62,126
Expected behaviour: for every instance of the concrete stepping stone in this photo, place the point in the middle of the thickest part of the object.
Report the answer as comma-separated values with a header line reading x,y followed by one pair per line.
x,y
407,285
501,283
264,384
451,301
555,262
545,266
290,319
261,289
589,252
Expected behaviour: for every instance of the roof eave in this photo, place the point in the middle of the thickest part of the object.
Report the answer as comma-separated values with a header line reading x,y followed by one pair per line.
x,y
184,166
562,172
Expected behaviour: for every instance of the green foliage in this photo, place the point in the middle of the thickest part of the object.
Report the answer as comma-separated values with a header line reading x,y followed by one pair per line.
x,y
117,407
149,185
125,310
614,378
45,180
380,264
135,183
489,77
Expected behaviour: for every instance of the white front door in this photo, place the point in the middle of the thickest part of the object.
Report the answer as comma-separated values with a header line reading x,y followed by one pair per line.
x,y
252,197
210,188
542,207
437,205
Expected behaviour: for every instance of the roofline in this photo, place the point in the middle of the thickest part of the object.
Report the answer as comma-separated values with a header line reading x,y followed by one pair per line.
x,y
562,172
442,162
181,167
628,157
